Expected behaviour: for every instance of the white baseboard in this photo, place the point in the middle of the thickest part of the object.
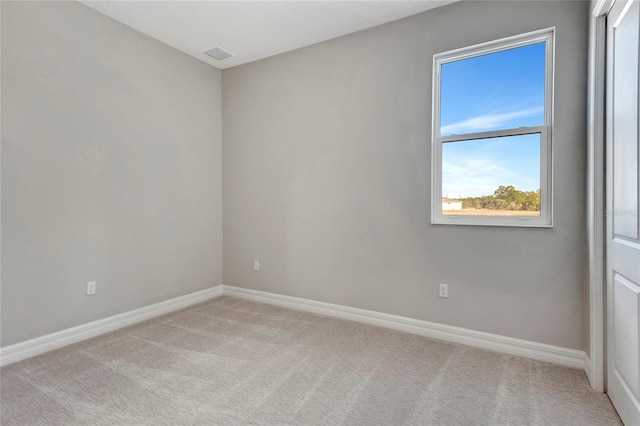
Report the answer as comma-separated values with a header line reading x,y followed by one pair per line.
x,y
508,345
19,351
539,351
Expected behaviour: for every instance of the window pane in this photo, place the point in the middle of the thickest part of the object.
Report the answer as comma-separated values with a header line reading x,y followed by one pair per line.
x,y
492,177
494,91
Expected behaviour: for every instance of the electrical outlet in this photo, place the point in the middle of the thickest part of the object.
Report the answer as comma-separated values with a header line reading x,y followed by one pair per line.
x,y
91,288
444,290
256,265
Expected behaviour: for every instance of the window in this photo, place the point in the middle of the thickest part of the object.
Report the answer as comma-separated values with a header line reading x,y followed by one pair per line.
x,y
491,140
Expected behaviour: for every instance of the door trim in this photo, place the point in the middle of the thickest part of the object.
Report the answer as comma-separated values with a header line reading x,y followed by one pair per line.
x,y
596,229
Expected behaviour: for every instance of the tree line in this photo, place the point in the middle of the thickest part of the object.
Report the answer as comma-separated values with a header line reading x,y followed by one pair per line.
x,y
505,198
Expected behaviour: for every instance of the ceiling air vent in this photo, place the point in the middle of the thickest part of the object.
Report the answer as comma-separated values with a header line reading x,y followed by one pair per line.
x,y
218,54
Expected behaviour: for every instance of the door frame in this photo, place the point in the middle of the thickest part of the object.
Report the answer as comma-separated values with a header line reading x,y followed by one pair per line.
x,y
595,362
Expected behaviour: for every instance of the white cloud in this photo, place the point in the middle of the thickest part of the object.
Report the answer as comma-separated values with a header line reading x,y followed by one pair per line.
x,y
470,177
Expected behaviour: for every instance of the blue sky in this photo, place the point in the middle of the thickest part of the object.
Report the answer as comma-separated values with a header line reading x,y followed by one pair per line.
x,y
490,92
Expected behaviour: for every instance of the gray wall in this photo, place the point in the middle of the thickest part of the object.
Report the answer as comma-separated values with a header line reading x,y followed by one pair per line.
x,y
327,180
111,169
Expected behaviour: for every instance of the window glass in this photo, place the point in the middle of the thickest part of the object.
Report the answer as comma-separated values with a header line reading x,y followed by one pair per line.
x,y
492,177
493,91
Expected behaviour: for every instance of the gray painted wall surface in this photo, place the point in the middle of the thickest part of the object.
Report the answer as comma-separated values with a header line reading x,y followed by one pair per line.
x,y
327,179
111,169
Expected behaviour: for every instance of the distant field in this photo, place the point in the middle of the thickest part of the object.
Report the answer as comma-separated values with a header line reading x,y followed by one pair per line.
x,y
488,212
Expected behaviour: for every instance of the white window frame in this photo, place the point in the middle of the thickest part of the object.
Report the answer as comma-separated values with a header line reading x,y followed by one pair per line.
x,y
545,219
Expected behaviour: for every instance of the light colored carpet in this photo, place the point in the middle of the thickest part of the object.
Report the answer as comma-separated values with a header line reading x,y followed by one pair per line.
x,y
234,362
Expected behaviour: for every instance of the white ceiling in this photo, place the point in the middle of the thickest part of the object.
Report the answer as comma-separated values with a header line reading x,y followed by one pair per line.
x,y
252,30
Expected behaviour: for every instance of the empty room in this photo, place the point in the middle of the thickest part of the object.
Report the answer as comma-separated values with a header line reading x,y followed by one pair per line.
x,y
320,212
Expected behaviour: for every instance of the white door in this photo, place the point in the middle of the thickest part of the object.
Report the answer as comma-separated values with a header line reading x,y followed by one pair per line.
x,y
623,239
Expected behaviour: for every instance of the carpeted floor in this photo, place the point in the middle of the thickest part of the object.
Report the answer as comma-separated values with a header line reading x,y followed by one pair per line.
x,y
235,362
